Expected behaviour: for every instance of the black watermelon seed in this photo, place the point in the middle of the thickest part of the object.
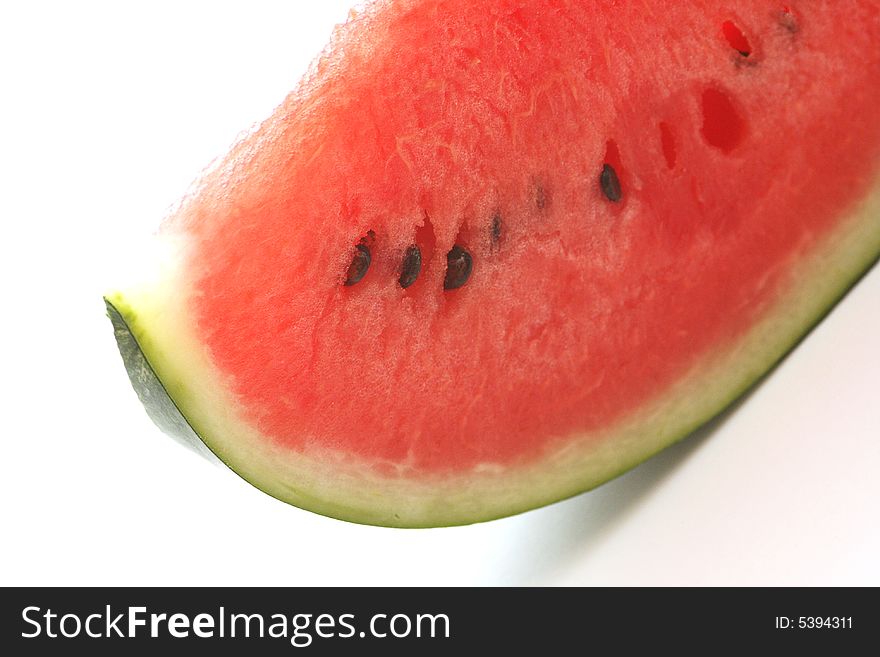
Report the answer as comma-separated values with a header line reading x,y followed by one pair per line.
x,y
412,265
610,183
360,263
495,228
459,264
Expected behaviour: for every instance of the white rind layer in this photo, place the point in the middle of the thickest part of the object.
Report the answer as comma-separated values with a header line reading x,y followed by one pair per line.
x,y
344,487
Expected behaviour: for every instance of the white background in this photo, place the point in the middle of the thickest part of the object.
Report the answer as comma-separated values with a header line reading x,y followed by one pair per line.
x,y
107,112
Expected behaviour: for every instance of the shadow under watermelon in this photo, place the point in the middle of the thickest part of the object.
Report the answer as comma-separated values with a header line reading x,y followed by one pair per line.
x,y
551,539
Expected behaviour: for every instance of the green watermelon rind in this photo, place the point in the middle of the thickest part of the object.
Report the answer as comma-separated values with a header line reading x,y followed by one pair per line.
x,y
832,268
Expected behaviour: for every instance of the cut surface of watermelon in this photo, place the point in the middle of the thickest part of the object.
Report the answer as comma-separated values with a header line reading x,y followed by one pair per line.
x,y
490,255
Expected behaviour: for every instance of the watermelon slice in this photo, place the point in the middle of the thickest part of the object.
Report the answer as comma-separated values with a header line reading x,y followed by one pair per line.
x,y
492,254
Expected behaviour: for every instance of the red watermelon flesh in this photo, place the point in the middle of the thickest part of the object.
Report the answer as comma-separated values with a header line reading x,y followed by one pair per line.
x,y
491,254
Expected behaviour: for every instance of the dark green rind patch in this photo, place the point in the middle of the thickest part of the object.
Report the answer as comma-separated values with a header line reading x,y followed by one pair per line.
x,y
161,408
